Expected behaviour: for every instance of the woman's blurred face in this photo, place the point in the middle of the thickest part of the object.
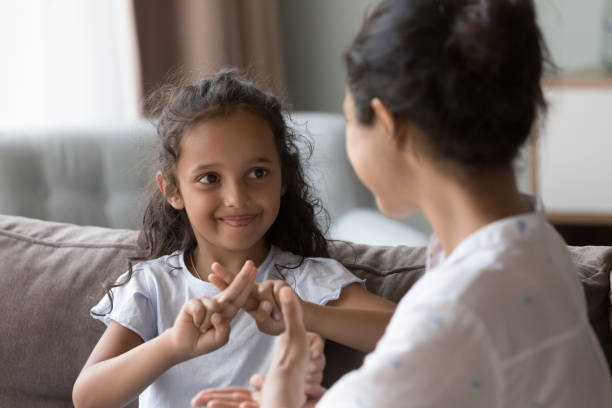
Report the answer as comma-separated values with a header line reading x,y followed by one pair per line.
x,y
379,162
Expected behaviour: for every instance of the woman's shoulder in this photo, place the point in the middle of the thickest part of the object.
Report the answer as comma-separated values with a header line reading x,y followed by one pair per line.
x,y
510,276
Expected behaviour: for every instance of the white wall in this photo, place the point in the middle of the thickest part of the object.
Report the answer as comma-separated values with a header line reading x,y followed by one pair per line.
x,y
574,148
315,34
573,31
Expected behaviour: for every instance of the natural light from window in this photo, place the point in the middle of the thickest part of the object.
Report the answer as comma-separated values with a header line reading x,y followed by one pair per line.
x,y
68,62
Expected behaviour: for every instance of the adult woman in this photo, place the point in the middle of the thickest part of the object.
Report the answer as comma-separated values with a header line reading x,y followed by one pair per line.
x,y
441,96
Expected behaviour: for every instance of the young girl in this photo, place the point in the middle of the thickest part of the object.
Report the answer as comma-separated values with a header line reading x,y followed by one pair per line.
x,y
231,195
441,95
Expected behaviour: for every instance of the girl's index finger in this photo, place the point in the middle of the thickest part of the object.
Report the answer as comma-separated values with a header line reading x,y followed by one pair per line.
x,y
222,272
217,281
239,289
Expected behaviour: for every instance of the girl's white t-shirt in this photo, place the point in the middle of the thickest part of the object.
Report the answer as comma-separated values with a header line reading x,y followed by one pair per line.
x,y
501,322
149,303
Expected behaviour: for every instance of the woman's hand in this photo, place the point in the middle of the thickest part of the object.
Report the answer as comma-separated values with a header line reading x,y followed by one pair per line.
x,y
226,397
284,385
202,325
241,397
316,365
314,371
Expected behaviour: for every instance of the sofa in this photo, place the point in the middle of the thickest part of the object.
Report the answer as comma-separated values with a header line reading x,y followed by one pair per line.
x,y
70,204
52,273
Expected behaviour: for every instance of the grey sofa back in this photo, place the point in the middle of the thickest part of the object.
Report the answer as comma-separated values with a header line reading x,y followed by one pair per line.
x,y
99,175
93,176
52,273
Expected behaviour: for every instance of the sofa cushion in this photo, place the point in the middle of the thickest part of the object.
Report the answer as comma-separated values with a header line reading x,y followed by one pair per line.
x,y
51,274
391,271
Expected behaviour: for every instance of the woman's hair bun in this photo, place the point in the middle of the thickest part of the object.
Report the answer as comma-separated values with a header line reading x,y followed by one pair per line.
x,y
467,72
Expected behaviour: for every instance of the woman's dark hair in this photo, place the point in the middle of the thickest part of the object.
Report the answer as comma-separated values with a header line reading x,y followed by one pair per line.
x,y
465,72
179,107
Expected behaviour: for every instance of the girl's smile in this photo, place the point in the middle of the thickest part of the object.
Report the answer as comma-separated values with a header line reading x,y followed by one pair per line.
x,y
238,220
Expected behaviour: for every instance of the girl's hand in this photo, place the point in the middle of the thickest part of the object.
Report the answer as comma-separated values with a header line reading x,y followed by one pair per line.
x,y
202,325
239,397
198,329
268,314
262,303
222,278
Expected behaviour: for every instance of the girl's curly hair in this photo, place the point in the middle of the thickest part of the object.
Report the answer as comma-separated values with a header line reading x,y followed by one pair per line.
x,y
180,106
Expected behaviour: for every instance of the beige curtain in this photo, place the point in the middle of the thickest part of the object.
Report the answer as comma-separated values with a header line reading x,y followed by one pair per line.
x,y
202,36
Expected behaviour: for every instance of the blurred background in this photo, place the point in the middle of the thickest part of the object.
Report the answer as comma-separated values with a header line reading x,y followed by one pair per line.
x,y
58,54
91,62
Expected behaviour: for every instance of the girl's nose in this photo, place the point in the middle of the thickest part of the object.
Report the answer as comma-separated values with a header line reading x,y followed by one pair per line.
x,y
235,194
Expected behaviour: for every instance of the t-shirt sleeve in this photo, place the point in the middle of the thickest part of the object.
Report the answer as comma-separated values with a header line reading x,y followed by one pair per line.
x,y
133,306
321,280
428,357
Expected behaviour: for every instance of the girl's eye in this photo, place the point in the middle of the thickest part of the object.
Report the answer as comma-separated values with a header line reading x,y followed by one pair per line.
x,y
258,173
209,178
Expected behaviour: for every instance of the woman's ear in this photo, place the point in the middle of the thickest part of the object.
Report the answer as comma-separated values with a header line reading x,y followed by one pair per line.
x,y
383,116
175,200
396,129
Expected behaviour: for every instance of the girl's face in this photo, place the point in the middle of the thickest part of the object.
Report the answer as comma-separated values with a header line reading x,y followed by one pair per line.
x,y
229,180
381,165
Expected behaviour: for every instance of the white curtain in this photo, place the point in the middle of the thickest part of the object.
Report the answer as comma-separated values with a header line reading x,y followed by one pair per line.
x,y
68,62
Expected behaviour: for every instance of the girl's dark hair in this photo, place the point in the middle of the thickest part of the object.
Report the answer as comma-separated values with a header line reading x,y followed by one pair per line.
x,y
166,229
180,106
465,72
